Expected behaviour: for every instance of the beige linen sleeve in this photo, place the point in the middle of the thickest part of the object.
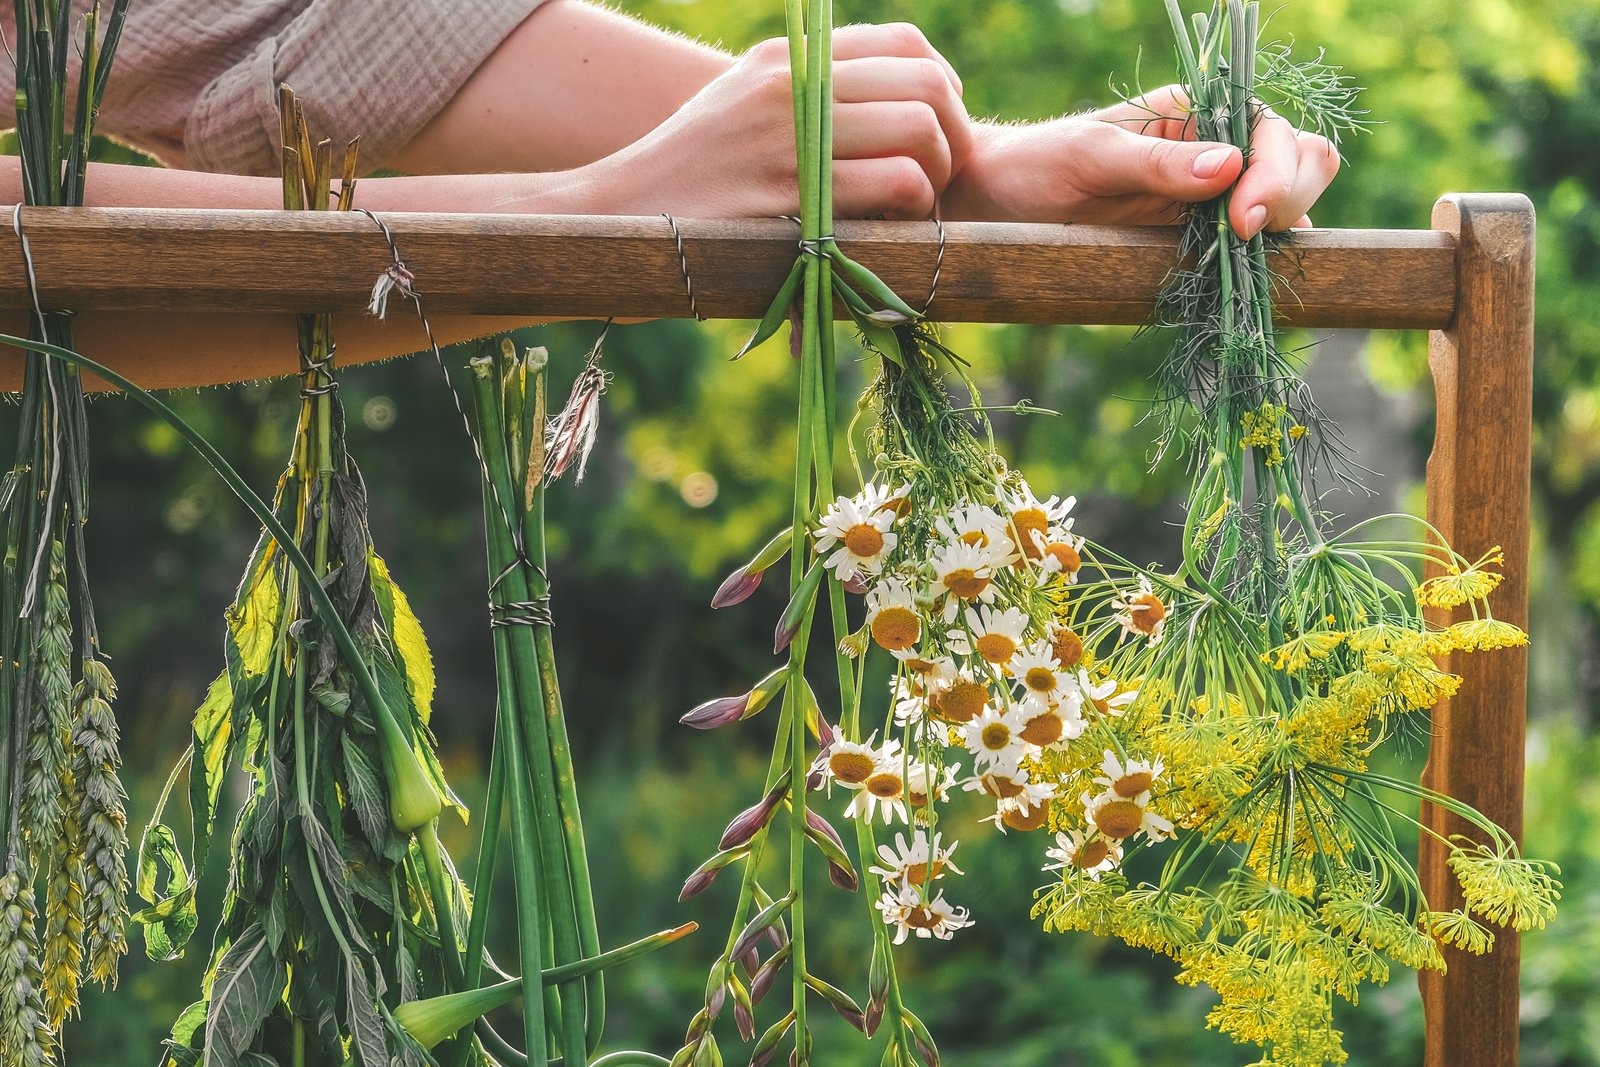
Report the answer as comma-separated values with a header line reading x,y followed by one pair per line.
x,y
380,69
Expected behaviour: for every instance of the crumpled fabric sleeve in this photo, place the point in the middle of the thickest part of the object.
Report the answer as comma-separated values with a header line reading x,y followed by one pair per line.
x,y
380,69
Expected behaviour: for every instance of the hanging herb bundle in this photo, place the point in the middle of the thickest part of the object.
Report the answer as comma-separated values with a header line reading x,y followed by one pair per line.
x,y
64,882
340,899
1276,661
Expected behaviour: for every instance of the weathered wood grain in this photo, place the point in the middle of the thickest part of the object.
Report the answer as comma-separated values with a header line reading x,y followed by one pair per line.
x,y
587,266
1479,490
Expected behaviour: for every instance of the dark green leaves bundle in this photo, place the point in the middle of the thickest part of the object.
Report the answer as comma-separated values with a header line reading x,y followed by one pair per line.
x,y
62,835
339,901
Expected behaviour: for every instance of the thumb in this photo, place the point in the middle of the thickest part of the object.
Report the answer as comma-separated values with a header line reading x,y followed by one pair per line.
x,y
1186,171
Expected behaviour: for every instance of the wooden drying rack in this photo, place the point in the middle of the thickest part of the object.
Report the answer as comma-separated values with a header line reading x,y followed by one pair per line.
x,y
1468,281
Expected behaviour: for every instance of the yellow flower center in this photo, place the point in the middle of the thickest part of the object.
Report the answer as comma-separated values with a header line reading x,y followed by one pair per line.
x,y
919,665
1030,819
962,582
851,768
999,787
1039,679
896,628
922,917
962,702
886,786
900,506
1118,818
1092,854
1067,648
1042,730
1147,613
863,540
1131,785
996,736
996,648
920,874
975,537
1065,555
1028,522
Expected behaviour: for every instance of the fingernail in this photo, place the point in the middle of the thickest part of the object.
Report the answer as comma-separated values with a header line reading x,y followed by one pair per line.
x,y
1209,162
1254,219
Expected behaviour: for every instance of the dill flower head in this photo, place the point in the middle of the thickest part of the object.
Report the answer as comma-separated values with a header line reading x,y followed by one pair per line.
x,y
1458,585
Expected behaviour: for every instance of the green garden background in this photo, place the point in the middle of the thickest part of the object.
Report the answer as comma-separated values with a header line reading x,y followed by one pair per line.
x,y
690,476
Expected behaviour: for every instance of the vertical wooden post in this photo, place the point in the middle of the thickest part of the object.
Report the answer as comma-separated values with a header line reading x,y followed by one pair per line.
x,y
1479,489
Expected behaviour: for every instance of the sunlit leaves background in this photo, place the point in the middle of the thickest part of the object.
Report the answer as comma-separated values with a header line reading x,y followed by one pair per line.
x,y
691,475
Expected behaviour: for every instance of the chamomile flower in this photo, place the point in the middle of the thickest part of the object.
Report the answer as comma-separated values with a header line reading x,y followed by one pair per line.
x,y
1001,781
1043,680
892,617
1093,854
911,708
1131,780
907,911
962,575
863,536
981,528
1104,695
851,763
1066,646
1052,726
885,787
962,699
1119,817
1027,810
916,864
1141,613
1063,553
875,498
995,634
1032,519
994,739
923,778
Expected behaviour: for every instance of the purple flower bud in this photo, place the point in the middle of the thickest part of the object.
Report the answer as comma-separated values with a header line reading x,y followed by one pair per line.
x,y
748,822
736,588
744,1020
855,584
823,826
721,711
696,883
714,1005
930,1055
845,879
872,1017
752,962
784,634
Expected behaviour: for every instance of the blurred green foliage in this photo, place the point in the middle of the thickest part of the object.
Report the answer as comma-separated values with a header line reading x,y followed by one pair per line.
x,y
690,477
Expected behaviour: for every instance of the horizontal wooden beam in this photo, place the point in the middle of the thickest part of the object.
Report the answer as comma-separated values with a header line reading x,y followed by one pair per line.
x,y
589,266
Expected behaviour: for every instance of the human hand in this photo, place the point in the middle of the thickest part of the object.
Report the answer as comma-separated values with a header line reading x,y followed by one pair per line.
x,y
900,131
1137,162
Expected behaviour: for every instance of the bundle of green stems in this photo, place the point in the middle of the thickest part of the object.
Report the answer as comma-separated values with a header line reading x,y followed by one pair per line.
x,y
532,763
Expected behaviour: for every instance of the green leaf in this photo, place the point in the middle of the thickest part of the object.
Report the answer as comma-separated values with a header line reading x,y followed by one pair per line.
x,y
365,795
778,310
253,617
213,744
367,1039
246,983
162,879
405,630
869,284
